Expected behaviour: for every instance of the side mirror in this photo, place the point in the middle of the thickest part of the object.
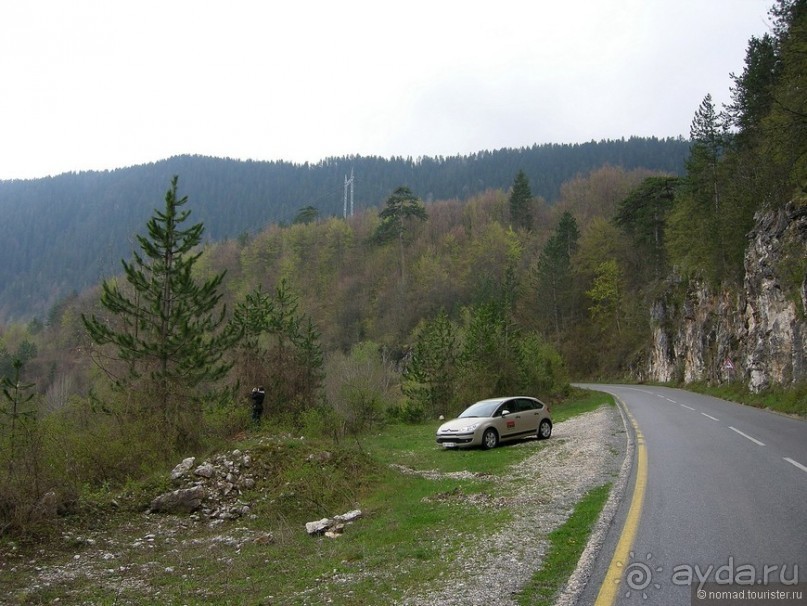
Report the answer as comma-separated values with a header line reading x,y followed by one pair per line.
x,y
505,413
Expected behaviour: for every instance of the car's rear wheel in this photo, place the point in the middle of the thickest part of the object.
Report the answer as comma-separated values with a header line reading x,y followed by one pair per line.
x,y
544,429
490,439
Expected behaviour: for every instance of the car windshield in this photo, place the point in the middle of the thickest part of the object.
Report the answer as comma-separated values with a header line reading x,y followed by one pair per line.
x,y
485,408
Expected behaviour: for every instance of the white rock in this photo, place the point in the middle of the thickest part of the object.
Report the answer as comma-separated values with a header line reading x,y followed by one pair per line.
x,y
206,470
349,516
183,468
319,526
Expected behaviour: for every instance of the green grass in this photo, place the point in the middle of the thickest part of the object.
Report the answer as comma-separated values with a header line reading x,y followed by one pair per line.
x,y
409,536
581,402
414,446
791,401
566,544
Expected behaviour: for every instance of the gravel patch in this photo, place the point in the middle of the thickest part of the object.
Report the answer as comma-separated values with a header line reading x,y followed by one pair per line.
x,y
540,492
584,452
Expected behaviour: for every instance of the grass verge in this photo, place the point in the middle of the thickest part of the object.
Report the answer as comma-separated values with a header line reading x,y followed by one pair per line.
x,y
413,526
791,401
582,401
566,544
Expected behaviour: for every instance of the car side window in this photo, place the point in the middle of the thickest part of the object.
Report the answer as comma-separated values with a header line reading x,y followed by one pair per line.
x,y
506,406
522,405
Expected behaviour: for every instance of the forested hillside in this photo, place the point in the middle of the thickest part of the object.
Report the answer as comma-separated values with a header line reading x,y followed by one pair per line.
x,y
64,233
422,301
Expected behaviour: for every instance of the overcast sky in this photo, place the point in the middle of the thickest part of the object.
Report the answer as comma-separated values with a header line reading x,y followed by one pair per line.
x,y
94,85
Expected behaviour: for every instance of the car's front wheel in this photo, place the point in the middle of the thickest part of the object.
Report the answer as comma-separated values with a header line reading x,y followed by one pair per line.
x,y
490,439
544,429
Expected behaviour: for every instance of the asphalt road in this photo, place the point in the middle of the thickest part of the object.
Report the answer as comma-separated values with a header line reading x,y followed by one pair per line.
x,y
724,499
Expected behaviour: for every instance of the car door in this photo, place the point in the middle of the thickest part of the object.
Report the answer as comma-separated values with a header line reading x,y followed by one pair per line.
x,y
532,412
506,424
515,423
529,415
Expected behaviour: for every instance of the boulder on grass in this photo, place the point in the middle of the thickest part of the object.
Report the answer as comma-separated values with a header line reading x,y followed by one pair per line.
x,y
184,500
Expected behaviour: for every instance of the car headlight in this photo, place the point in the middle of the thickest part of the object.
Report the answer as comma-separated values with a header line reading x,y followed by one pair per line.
x,y
469,428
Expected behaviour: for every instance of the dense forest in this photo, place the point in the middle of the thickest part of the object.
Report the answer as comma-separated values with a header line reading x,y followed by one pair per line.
x,y
62,234
407,309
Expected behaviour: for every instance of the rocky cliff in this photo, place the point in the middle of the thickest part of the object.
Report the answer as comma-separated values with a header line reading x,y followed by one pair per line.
x,y
757,335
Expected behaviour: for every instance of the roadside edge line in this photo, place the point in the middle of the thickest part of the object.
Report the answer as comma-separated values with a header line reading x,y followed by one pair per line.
x,y
613,576
570,594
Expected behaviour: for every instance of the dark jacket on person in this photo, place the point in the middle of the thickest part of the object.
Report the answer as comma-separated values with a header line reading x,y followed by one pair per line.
x,y
257,397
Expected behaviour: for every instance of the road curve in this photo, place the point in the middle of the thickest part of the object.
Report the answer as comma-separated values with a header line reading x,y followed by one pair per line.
x,y
724,500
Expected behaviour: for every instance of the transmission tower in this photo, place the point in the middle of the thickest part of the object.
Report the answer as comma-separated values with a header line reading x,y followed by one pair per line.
x,y
348,183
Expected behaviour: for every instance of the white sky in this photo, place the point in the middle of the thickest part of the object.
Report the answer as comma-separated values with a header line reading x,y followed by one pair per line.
x,y
93,85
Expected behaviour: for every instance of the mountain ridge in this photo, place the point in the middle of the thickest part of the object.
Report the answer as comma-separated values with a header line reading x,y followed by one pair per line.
x,y
63,233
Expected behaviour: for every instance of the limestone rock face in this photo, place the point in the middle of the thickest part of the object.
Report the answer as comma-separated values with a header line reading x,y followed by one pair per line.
x,y
758,334
776,300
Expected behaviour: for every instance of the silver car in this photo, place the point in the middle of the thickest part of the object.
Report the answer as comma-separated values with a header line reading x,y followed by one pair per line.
x,y
489,422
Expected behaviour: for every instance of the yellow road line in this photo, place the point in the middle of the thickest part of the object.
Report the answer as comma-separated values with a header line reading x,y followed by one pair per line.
x,y
610,585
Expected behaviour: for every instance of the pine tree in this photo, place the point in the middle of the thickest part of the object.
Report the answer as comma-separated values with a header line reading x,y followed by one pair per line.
x,y
402,206
698,223
752,92
279,348
642,217
606,297
306,215
430,377
786,125
520,200
709,137
553,276
17,396
168,329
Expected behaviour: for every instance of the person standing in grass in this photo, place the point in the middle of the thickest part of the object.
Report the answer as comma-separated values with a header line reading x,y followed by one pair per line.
x,y
257,396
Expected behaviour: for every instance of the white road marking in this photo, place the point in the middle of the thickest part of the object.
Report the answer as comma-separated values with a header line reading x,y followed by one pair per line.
x,y
711,417
689,407
745,435
673,401
796,463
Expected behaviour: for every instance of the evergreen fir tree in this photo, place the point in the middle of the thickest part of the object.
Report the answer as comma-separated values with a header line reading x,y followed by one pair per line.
x,y
642,216
402,206
279,347
520,200
168,329
431,375
554,277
